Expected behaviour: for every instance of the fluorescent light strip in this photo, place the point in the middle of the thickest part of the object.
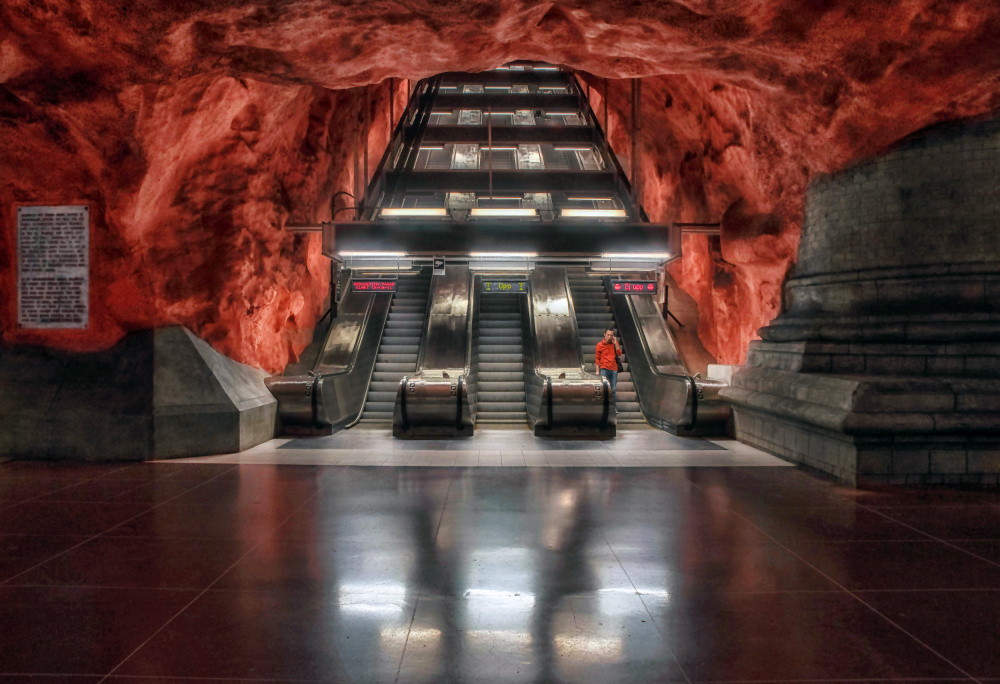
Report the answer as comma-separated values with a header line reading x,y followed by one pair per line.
x,y
374,255
448,88
499,113
497,87
501,69
593,213
590,199
446,112
498,211
637,256
413,211
576,148
485,147
537,68
561,113
495,267
503,255
432,147
497,197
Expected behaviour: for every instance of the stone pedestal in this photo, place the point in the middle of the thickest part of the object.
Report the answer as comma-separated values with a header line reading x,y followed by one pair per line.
x,y
156,394
885,366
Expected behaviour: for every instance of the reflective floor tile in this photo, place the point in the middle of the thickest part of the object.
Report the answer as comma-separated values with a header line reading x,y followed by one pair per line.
x,y
536,637
960,625
79,631
789,636
149,562
950,522
66,517
900,565
22,552
327,635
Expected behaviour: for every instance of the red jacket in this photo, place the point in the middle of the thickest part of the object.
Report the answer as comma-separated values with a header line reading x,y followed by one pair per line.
x,y
604,355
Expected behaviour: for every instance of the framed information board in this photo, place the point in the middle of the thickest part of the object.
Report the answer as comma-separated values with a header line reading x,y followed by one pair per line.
x,y
53,267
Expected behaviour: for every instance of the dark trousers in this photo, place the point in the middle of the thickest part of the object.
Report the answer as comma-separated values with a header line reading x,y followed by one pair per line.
x,y
612,376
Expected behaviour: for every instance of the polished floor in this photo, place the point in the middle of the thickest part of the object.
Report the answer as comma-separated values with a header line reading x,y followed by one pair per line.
x,y
633,447
208,572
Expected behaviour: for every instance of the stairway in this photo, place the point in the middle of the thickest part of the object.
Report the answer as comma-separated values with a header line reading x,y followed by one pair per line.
x,y
593,317
501,360
399,347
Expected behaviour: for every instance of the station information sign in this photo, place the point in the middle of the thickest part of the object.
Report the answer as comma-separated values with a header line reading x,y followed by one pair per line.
x,y
382,285
633,287
505,286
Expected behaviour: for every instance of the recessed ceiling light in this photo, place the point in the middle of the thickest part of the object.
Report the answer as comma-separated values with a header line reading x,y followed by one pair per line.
x,y
413,211
593,213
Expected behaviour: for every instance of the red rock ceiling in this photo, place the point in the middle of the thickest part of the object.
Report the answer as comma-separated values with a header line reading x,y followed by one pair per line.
x,y
197,129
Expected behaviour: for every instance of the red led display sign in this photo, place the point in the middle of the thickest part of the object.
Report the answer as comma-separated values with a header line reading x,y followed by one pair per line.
x,y
633,287
373,286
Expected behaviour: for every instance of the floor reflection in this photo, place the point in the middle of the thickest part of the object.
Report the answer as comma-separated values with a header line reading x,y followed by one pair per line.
x,y
493,575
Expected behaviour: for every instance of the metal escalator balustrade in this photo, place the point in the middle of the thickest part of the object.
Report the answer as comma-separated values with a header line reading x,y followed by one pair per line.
x,y
501,350
593,317
399,347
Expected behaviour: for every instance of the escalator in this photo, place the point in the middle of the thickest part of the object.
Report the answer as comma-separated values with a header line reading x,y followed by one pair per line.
x,y
399,347
593,317
500,395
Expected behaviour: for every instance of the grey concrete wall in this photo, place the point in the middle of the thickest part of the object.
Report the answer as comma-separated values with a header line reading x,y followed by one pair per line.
x,y
885,365
156,394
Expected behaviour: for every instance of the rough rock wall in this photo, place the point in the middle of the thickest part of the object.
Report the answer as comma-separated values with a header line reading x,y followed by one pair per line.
x,y
196,129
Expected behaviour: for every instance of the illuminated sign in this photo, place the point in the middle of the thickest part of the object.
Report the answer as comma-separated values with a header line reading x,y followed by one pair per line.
x,y
373,285
505,286
633,287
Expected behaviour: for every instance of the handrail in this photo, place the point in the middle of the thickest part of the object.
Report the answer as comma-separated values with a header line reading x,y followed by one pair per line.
x,y
572,313
471,334
642,361
368,382
356,346
422,348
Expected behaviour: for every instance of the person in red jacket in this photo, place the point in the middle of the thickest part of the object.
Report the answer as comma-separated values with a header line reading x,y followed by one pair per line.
x,y
604,359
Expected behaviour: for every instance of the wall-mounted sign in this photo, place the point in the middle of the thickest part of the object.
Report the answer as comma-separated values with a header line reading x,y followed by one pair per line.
x,y
505,286
438,266
633,287
381,285
53,266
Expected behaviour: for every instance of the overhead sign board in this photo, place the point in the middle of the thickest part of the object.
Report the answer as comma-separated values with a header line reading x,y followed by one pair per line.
x,y
373,285
505,286
633,287
438,265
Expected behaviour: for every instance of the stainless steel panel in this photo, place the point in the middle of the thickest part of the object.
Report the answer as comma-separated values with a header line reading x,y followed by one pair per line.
x,y
563,398
333,393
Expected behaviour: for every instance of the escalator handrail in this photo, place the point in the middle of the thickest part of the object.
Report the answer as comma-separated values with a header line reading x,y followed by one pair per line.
x,y
576,326
349,368
357,349
651,364
546,381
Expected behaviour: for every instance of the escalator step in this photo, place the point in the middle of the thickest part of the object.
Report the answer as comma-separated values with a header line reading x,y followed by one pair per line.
x,y
491,395
500,376
494,406
398,367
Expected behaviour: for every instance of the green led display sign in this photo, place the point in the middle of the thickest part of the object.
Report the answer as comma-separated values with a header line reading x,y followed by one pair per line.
x,y
505,286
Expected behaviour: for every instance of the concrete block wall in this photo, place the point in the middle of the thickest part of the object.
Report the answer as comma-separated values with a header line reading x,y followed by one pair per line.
x,y
897,290
157,394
